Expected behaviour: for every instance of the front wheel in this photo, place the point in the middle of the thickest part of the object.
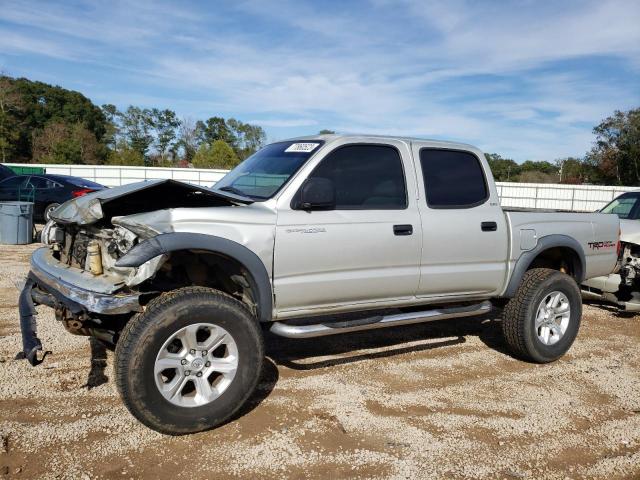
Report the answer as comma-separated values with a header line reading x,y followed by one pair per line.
x,y
542,320
189,361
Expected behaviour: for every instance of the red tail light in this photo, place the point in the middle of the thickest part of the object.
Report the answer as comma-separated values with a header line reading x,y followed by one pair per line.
x,y
81,192
619,246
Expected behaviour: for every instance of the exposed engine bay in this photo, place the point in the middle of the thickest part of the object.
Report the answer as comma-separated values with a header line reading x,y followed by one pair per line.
x,y
88,236
630,273
622,287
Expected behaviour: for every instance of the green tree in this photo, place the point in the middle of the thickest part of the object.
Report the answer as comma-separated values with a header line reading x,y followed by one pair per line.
x,y
124,155
540,166
58,142
165,123
189,138
571,170
136,127
112,126
42,104
324,131
503,169
218,154
10,106
616,153
248,138
216,128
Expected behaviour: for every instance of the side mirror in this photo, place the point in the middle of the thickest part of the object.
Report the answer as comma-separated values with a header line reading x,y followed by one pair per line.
x,y
317,194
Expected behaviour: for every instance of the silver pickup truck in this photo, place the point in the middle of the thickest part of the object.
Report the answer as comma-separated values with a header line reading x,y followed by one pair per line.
x,y
184,280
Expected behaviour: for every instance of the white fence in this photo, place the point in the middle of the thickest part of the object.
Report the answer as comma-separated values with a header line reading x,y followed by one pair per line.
x,y
581,198
578,198
114,176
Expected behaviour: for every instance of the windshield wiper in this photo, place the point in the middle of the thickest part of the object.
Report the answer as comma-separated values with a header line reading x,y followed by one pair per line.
x,y
235,190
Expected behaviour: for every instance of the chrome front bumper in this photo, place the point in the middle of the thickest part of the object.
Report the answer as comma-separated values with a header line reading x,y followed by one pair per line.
x,y
605,288
97,294
53,284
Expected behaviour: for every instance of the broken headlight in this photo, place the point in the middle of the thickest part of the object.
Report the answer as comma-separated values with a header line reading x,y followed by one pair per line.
x,y
121,242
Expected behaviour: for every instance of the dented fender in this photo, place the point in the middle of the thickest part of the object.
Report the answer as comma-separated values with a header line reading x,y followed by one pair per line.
x,y
172,242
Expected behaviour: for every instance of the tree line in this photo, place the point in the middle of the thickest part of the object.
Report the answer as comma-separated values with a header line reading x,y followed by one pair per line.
x,y
614,158
41,123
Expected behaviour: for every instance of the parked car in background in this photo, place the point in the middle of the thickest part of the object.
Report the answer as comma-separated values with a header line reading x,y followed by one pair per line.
x,y
623,286
47,192
6,172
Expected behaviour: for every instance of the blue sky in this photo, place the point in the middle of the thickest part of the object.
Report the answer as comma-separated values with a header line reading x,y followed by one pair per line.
x,y
528,79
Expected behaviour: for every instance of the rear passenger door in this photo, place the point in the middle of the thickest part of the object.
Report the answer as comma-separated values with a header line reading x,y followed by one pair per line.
x,y
464,230
365,250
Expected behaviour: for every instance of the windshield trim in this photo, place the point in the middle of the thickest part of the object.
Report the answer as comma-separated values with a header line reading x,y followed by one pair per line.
x,y
257,198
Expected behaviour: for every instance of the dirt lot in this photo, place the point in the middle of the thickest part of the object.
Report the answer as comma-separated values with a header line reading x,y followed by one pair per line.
x,y
436,400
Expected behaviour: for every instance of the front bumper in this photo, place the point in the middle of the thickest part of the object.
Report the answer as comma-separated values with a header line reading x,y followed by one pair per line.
x,y
605,288
56,285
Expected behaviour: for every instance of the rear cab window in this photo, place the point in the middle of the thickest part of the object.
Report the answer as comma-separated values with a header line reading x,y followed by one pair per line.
x,y
453,178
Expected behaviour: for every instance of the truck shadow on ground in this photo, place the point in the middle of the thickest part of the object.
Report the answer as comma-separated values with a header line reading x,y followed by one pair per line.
x,y
299,354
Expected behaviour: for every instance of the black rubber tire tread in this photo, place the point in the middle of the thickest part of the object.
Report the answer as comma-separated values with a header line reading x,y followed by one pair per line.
x,y
131,339
516,317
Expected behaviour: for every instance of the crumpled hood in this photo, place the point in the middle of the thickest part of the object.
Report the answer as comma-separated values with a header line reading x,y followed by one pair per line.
x,y
141,197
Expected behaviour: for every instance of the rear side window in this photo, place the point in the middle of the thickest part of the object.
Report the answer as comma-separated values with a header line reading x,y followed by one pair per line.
x,y
365,177
452,178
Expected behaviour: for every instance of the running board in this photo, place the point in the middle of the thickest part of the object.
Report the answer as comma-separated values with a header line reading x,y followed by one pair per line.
x,y
323,329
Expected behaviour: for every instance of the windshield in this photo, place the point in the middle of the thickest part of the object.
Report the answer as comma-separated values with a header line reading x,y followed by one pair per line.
x,y
262,174
626,206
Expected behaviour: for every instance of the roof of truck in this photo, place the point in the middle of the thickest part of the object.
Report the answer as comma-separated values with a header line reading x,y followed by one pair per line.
x,y
364,136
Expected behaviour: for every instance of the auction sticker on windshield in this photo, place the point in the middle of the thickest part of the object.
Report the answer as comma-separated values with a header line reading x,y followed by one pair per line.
x,y
302,147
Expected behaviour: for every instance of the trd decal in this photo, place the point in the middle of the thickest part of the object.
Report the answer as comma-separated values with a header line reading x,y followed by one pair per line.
x,y
600,245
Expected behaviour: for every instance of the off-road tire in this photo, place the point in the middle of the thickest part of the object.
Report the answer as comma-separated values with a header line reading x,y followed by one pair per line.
x,y
518,319
145,334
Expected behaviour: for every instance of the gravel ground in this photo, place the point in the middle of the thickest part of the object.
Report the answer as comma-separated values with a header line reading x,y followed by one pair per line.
x,y
439,400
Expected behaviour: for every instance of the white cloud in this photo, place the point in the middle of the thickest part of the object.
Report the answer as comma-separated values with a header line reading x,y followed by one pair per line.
x,y
505,75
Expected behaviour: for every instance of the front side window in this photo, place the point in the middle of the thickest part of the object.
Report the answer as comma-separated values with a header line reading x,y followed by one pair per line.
x,y
626,206
261,175
365,177
452,178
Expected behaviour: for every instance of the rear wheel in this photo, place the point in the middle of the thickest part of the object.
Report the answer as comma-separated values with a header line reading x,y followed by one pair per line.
x,y
542,320
190,361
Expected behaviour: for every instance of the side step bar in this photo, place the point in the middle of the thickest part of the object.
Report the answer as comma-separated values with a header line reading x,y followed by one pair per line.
x,y
323,329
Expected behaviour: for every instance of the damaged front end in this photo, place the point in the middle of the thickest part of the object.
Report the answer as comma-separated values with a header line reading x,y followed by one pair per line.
x,y
76,272
622,287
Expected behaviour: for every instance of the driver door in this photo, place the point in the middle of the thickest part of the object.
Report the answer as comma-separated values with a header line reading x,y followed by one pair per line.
x,y
364,251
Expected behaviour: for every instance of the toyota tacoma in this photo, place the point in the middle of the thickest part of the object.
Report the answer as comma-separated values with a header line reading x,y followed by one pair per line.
x,y
183,281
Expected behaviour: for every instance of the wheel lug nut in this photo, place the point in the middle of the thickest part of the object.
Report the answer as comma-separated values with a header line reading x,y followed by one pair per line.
x,y
183,361
192,351
199,374
204,353
187,372
208,364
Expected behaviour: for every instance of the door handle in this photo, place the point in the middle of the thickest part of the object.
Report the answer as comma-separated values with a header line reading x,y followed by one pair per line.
x,y
489,226
402,230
